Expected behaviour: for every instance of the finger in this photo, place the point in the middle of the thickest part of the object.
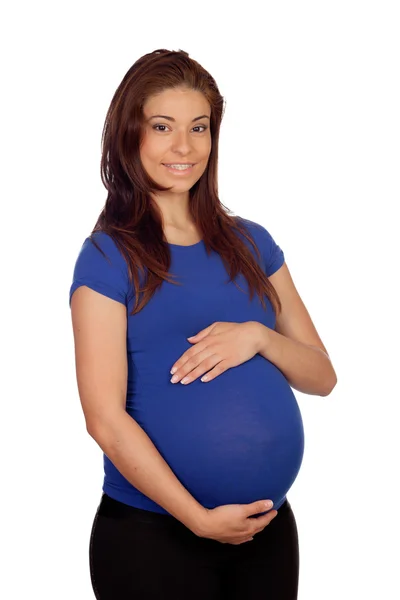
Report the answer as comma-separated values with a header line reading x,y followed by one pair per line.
x,y
257,507
222,366
202,368
265,518
181,362
191,364
241,541
261,522
202,334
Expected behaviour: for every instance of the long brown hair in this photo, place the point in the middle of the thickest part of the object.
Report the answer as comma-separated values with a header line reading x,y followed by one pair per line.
x,y
129,216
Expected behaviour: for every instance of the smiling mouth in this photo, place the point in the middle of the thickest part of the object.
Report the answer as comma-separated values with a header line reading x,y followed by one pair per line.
x,y
179,170
178,164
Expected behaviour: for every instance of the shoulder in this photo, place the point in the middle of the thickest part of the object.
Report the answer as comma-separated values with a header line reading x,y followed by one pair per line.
x,y
100,247
101,266
104,241
261,236
272,254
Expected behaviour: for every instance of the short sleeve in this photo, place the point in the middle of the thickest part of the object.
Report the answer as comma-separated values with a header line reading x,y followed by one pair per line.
x,y
107,275
272,255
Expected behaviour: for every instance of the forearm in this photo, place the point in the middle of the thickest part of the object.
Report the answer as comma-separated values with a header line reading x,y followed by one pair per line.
x,y
133,453
307,368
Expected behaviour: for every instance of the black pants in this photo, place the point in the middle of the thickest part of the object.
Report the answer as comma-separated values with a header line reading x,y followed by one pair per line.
x,y
136,554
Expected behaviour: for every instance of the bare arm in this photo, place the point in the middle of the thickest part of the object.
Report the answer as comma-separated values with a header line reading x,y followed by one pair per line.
x,y
295,346
99,326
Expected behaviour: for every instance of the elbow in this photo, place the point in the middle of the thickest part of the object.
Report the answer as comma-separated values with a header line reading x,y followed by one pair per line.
x,y
91,428
105,426
99,427
330,387
94,430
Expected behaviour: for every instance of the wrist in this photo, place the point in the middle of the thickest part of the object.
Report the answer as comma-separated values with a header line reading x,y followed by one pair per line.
x,y
198,523
261,335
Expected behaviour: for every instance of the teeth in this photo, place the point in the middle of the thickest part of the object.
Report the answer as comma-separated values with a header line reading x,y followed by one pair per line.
x,y
179,167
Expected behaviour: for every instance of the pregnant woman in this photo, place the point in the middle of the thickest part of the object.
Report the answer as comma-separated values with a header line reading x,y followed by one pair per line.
x,y
189,337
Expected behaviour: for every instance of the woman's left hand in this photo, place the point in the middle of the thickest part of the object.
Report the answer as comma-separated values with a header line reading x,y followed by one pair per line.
x,y
217,348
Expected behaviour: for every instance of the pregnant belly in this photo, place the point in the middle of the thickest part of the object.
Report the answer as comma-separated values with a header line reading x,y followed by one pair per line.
x,y
236,439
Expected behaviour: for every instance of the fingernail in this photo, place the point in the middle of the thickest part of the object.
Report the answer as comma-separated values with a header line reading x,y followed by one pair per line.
x,y
172,371
269,504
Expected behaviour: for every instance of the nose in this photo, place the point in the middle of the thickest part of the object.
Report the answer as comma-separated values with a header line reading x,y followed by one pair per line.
x,y
181,143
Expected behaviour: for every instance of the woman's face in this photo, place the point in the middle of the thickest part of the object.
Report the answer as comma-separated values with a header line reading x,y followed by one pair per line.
x,y
179,136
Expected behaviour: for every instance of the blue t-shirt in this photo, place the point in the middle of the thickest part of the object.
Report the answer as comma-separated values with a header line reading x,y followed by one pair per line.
x,y
232,440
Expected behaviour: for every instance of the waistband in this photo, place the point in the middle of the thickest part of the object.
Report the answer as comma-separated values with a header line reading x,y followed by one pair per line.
x,y
109,507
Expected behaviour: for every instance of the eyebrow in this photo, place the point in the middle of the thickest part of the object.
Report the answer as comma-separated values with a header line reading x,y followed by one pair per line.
x,y
173,120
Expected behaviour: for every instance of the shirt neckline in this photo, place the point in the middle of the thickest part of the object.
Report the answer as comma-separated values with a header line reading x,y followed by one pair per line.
x,y
190,245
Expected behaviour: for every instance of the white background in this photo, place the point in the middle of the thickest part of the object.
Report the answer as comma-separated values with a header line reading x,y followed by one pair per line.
x,y
310,149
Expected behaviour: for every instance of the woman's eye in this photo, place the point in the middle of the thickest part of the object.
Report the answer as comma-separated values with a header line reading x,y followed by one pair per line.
x,y
197,126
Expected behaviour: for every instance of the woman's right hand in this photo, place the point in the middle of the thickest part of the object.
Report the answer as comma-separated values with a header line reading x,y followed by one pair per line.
x,y
230,523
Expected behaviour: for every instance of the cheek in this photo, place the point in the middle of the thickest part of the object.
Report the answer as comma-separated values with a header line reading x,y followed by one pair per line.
x,y
149,153
150,146
208,146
